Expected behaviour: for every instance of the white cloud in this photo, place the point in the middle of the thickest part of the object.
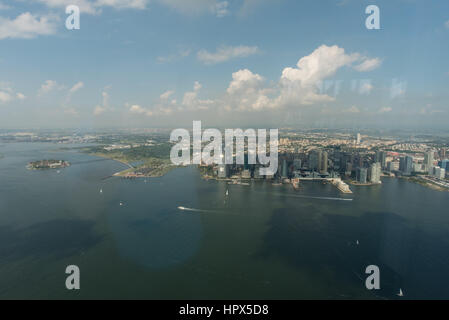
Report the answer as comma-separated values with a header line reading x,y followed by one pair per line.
x,y
243,80
100,109
352,109
48,86
365,87
7,94
226,53
27,26
5,97
297,86
167,95
221,9
385,110
79,85
20,96
136,109
368,65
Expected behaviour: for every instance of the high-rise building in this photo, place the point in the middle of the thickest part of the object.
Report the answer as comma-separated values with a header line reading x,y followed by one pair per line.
x,y
313,160
284,172
392,166
374,173
362,175
440,173
406,165
381,157
445,164
297,163
428,161
323,162
359,138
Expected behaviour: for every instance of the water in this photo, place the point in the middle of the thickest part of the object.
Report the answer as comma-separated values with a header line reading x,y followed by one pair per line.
x,y
259,242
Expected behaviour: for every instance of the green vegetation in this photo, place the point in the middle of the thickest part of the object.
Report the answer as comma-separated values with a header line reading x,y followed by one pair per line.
x,y
152,167
48,164
133,154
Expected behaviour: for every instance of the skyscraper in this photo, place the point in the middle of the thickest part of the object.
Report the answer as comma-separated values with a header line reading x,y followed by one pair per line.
x,y
323,162
374,173
406,165
428,161
362,174
359,138
381,157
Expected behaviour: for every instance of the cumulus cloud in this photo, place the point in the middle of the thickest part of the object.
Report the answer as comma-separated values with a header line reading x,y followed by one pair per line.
x,y
79,85
20,96
27,26
48,86
297,86
5,97
166,95
226,53
368,65
100,109
7,94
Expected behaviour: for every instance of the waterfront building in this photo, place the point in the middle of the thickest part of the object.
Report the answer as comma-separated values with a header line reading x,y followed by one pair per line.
x,y
406,165
362,175
374,173
440,173
323,162
381,157
428,161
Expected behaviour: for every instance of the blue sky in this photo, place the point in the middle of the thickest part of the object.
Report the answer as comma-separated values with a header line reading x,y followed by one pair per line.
x,y
139,63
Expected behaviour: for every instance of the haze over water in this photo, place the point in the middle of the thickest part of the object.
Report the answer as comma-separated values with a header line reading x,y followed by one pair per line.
x,y
261,241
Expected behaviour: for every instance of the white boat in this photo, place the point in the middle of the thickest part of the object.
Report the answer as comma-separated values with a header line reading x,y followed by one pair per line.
x,y
400,294
181,208
227,192
101,190
121,203
357,242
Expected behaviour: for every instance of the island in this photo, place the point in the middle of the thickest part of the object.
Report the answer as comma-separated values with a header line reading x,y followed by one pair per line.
x,y
47,164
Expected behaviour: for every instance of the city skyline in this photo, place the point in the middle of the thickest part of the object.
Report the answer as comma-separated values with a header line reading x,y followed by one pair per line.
x,y
227,63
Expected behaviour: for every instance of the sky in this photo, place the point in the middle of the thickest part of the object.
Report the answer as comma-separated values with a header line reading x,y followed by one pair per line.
x,y
234,63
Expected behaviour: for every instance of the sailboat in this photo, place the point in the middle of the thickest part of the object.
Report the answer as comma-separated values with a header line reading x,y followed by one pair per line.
x,y
400,294
227,192
101,190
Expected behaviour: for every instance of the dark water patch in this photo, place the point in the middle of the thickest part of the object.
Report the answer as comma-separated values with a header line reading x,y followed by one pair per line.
x,y
56,238
408,257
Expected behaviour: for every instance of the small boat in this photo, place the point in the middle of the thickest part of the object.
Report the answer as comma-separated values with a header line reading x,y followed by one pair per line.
x,y
121,203
58,171
101,190
181,208
357,242
400,294
227,192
